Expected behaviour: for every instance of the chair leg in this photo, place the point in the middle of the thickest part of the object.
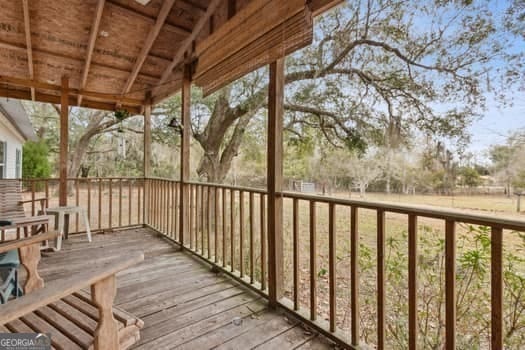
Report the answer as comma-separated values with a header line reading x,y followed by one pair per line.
x,y
18,290
86,222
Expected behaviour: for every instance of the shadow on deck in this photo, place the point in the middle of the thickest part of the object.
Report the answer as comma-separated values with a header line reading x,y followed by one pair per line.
x,y
183,304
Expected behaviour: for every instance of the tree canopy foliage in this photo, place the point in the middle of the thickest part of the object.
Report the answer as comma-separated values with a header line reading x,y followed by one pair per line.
x,y
378,73
35,163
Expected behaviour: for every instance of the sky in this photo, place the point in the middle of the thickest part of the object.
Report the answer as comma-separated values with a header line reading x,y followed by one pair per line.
x,y
497,123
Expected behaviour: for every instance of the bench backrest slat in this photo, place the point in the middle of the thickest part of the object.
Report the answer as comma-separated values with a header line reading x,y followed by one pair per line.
x,y
10,198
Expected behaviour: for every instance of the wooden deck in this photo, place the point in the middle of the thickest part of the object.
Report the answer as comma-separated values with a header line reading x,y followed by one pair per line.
x,y
183,304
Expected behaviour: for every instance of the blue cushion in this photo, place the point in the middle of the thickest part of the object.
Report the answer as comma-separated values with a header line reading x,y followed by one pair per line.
x,y
9,259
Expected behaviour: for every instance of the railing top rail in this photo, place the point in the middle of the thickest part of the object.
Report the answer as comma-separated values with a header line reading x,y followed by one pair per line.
x,y
419,210
236,188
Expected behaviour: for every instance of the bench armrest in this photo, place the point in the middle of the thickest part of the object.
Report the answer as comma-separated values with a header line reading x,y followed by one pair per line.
x,y
43,202
25,242
43,199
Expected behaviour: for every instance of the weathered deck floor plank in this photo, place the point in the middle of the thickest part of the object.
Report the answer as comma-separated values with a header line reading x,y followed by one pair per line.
x,y
183,304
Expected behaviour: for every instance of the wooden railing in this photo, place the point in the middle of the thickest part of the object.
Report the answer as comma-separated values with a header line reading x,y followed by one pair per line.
x,y
451,219
110,202
227,227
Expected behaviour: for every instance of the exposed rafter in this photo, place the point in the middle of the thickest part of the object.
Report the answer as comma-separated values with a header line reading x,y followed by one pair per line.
x,y
194,5
55,55
27,83
170,26
29,46
179,55
146,47
91,46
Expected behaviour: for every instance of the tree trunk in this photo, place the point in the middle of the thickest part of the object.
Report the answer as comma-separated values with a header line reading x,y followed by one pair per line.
x,y
219,151
362,189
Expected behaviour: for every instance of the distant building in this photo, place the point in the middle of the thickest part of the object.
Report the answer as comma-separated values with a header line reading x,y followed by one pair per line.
x,y
15,130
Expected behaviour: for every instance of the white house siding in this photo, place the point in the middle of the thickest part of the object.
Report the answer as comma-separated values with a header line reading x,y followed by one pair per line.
x,y
14,141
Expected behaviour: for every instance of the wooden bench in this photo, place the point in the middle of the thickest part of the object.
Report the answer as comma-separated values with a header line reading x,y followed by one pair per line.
x,y
75,318
12,209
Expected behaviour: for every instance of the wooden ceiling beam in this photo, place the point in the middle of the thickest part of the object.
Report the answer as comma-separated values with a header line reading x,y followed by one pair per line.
x,y
91,46
320,6
29,46
55,99
198,7
22,49
146,47
170,26
75,92
179,55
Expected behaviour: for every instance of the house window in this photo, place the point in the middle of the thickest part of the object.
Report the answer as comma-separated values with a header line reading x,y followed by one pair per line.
x,y
3,157
18,169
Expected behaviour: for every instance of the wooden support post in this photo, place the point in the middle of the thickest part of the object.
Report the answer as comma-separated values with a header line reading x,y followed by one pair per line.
x,y
64,134
147,141
185,153
147,162
275,176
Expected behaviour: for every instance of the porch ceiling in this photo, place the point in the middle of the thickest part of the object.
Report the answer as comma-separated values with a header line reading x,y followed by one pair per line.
x,y
121,54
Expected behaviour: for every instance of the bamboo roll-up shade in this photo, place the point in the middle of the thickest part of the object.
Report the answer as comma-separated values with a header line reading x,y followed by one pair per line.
x,y
293,34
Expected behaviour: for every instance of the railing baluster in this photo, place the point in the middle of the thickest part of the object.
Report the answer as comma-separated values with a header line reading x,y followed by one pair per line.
x,y
162,206
496,287
172,211
450,283
354,274
313,262
33,190
151,197
47,193
331,265
166,207
224,227
380,279
158,202
263,243
138,185
193,209
216,222
176,212
130,195
412,281
232,228
99,204
208,221
241,232
110,203
202,218
88,185
153,203
295,228
120,202
77,202
157,205
252,229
